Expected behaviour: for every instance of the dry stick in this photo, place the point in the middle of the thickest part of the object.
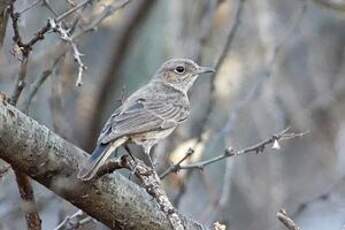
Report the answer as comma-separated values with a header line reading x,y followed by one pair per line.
x,y
175,167
72,10
286,220
230,152
32,5
64,35
107,11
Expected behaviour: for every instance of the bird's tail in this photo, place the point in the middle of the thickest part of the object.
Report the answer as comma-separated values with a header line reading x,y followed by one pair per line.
x,y
97,158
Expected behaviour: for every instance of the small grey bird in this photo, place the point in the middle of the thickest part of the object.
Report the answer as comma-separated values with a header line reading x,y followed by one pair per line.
x,y
149,114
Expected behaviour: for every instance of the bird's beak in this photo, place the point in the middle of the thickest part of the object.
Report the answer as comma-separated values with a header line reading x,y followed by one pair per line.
x,y
203,69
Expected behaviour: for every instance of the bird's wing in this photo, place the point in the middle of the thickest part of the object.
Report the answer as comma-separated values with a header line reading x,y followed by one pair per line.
x,y
143,114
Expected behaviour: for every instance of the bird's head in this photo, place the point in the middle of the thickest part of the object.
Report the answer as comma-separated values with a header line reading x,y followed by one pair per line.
x,y
180,73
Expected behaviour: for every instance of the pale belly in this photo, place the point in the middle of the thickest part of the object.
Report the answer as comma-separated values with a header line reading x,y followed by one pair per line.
x,y
151,138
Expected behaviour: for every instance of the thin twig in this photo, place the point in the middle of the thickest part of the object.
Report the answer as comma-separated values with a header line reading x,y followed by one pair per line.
x,y
32,5
64,35
175,167
72,10
76,221
20,83
257,148
286,220
107,11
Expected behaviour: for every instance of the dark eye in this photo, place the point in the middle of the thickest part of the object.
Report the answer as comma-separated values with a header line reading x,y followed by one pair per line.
x,y
179,69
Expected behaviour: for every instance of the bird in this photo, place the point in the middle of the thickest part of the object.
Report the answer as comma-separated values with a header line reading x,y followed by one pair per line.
x,y
148,115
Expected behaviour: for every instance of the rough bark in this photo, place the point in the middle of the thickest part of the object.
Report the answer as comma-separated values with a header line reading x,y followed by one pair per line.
x,y
53,162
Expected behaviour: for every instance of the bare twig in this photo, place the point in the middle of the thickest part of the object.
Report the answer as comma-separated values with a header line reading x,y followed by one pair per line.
x,y
64,35
25,48
177,166
257,148
20,83
107,11
75,221
32,5
286,220
72,10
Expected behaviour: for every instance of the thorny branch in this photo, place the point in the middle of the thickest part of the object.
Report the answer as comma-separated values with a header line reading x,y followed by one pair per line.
x,y
177,166
286,220
230,152
26,48
64,35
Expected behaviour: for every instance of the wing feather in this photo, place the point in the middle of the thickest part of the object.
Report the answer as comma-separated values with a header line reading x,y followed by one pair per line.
x,y
144,114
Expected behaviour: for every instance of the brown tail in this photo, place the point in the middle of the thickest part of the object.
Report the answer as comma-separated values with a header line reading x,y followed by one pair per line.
x,y
97,158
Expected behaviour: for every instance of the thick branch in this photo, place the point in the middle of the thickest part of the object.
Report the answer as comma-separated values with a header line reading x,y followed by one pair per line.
x,y
53,162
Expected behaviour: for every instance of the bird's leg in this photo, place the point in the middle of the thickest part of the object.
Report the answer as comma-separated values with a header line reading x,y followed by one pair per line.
x,y
126,147
147,150
129,152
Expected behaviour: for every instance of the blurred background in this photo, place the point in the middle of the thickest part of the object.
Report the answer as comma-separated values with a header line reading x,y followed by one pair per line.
x,y
283,66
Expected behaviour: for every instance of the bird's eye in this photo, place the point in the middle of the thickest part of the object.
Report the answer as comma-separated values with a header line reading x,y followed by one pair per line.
x,y
179,69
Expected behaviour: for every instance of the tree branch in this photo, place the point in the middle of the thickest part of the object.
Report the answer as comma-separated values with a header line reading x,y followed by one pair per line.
x,y
230,152
286,220
47,158
150,182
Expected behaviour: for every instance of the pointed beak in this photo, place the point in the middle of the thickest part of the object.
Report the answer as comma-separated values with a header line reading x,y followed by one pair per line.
x,y
203,69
